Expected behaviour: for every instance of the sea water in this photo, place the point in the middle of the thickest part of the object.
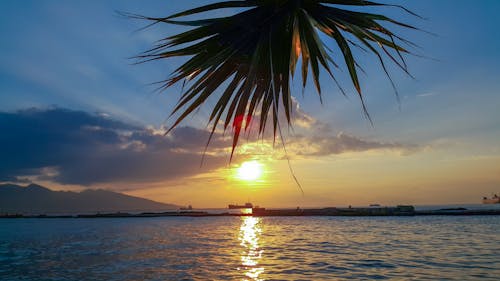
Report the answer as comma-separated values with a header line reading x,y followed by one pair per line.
x,y
251,248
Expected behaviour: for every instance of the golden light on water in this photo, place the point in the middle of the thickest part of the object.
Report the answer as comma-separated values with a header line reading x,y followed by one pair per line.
x,y
249,239
250,171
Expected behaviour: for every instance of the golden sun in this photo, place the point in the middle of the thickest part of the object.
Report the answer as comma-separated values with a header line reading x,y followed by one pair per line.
x,y
250,170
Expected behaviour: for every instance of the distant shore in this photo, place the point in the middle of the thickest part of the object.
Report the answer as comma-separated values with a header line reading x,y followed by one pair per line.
x,y
262,212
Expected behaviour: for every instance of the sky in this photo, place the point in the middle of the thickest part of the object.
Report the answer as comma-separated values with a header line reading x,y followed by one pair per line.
x,y
76,113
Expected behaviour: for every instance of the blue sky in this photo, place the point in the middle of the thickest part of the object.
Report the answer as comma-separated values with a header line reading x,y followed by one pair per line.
x,y
74,55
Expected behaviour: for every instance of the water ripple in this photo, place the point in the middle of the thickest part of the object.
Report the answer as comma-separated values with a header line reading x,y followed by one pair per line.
x,y
231,248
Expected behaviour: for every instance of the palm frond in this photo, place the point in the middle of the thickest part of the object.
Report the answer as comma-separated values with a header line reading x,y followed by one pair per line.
x,y
256,51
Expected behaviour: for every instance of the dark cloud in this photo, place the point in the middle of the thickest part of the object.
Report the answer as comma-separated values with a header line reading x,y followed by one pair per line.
x,y
7,178
73,147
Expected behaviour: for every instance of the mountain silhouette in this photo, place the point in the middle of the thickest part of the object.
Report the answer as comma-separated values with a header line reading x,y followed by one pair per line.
x,y
36,199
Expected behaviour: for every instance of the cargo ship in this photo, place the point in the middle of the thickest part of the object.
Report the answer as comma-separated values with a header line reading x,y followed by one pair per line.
x,y
246,206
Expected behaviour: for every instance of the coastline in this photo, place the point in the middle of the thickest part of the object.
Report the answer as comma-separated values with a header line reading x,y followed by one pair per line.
x,y
406,210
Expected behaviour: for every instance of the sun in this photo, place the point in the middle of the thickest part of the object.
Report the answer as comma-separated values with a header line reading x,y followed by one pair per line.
x,y
250,170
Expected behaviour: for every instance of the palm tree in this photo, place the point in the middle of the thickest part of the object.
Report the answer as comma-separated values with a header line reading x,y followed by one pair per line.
x,y
254,54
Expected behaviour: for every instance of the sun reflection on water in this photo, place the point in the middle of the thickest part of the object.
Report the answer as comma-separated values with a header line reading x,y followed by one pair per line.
x,y
250,231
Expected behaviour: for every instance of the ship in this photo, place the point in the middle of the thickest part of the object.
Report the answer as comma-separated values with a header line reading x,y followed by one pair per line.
x,y
246,206
493,200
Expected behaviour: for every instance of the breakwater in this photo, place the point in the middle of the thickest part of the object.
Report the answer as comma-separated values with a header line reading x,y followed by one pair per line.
x,y
401,210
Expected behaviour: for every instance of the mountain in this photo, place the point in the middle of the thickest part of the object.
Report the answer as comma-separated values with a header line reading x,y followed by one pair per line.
x,y
36,199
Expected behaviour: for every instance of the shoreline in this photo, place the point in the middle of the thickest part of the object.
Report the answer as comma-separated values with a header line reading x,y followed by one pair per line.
x,y
262,212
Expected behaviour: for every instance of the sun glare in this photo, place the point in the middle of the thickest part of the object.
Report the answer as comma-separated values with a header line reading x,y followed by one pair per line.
x,y
250,170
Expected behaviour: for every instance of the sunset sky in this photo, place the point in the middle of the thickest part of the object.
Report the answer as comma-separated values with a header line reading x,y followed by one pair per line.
x,y
76,113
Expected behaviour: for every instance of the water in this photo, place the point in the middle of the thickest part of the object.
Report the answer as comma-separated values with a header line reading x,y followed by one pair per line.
x,y
248,248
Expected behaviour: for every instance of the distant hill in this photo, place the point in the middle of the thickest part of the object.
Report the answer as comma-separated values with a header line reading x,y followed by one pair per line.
x,y
36,199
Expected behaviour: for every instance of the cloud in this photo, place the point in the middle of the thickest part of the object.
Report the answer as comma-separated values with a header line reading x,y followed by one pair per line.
x,y
74,147
426,95
78,148
321,140
300,117
324,145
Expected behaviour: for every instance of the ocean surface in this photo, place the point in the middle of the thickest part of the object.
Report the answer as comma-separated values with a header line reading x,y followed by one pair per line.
x,y
250,248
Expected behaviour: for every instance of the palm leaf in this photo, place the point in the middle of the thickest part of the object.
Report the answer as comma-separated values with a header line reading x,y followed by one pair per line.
x,y
255,53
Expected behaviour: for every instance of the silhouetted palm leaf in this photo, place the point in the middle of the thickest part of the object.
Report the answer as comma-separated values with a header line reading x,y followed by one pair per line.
x,y
254,53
